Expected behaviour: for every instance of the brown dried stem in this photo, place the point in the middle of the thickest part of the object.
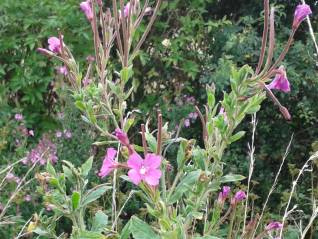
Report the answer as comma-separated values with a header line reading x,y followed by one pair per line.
x,y
143,137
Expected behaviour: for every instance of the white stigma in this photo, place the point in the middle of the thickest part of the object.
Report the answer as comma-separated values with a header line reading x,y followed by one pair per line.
x,y
143,170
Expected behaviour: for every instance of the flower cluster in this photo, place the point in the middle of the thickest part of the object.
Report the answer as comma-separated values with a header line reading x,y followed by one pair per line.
x,y
10,177
18,117
191,118
43,152
66,133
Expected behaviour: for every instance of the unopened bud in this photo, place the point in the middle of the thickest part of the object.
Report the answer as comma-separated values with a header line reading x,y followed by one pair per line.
x,y
45,52
285,113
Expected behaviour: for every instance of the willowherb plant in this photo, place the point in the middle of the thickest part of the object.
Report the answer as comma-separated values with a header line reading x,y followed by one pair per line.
x,y
184,201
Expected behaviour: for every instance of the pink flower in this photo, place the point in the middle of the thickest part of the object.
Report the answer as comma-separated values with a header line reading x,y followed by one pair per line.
x,y
49,207
301,12
280,81
187,123
10,177
127,9
193,115
67,134
55,44
144,170
17,180
274,226
58,134
18,117
43,152
62,70
238,197
87,9
90,58
31,132
109,164
224,194
24,161
27,198
86,81
223,112
122,137
148,11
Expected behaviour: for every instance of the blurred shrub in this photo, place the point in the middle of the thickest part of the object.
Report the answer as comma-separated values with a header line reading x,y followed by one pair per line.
x,y
28,77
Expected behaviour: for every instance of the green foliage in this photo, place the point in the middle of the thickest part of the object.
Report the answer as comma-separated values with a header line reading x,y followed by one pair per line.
x,y
139,230
26,74
73,205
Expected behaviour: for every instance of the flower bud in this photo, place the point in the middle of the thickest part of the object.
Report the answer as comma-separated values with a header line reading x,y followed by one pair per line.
x,y
239,196
274,226
87,9
55,44
45,52
301,12
224,194
285,113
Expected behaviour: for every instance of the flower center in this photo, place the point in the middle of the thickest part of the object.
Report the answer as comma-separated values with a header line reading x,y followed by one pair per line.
x,y
143,170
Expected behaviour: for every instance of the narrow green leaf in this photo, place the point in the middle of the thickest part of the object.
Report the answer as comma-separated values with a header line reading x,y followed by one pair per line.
x,y
232,178
237,136
80,105
181,154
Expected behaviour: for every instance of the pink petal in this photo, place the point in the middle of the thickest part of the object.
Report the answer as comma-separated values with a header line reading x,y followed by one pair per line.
x,y
105,170
108,164
152,161
153,176
111,153
127,9
54,44
54,41
135,161
280,81
87,9
134,176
